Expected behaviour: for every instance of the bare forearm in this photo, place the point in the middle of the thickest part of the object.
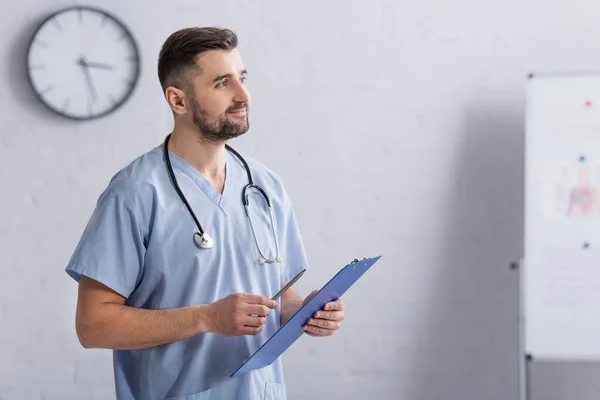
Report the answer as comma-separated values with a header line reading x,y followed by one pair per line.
x,y
120,327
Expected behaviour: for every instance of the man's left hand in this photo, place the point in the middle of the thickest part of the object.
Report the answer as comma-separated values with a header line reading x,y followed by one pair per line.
x,y
325,321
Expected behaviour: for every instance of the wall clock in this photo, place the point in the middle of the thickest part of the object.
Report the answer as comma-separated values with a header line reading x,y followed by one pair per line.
x,y
83,63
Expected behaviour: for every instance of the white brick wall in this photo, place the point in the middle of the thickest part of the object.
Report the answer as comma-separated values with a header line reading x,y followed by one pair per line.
x,y
412,116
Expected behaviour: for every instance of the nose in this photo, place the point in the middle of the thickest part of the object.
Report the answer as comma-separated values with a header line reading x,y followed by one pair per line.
x,y
242,94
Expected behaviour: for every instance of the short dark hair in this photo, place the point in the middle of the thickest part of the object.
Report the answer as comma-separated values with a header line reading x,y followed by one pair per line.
x,y
177,58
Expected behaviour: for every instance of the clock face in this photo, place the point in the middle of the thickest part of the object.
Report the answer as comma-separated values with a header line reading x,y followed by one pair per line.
x,y
83,63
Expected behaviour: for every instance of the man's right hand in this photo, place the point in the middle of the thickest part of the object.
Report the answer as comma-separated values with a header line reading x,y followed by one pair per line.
x,y
240,314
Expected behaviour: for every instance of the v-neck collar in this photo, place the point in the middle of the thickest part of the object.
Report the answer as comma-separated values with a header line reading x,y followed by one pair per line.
x,y
221,200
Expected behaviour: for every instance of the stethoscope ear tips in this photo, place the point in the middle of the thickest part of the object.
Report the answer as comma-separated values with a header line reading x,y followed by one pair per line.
x,y
279,260
204,240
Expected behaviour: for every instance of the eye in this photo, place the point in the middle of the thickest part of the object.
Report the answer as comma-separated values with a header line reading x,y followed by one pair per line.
x,y
243,79
222,84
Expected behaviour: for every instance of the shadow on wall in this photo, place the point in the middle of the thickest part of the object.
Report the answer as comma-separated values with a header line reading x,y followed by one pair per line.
x,y
18,80
468,336
565,380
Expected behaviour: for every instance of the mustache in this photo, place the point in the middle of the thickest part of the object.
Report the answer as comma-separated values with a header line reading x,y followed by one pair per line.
x,y
239,106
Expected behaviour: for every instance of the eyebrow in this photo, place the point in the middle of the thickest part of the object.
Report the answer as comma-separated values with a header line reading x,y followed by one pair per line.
x,y
225,76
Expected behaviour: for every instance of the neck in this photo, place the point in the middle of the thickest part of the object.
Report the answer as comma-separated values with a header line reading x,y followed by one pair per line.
x,y
208,158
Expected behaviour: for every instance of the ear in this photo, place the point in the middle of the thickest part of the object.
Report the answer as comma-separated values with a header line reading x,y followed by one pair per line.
x,y
177,100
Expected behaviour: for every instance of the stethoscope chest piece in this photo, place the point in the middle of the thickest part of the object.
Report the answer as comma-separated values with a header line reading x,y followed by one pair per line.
x,y
204,241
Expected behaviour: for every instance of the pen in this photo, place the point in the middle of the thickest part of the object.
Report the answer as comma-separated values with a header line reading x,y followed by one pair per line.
x,y
288,285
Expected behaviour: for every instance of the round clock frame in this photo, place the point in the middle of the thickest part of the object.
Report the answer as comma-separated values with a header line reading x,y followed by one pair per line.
x,y
130,82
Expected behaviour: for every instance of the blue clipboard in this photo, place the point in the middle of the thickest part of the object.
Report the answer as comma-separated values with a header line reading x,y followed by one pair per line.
x,y
292,329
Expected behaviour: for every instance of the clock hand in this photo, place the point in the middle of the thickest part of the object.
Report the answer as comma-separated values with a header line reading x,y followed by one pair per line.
x,y
88,78
91,64
90,85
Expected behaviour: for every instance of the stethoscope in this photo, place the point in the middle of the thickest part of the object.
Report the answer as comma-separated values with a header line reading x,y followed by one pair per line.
x,y
203,239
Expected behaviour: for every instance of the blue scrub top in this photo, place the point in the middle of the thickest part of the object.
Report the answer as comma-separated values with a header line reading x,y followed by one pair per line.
x,y
139,242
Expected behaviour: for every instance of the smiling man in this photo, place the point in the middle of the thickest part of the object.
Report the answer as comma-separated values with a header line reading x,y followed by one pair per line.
x,y
173,276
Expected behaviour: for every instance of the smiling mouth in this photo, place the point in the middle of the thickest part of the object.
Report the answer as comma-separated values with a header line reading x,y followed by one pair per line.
x,y
240,112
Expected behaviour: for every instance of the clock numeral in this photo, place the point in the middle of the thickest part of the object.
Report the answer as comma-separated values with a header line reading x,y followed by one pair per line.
x,y
47,89
104,19
65,105
41,43
124,35
112,100
80,15
58,25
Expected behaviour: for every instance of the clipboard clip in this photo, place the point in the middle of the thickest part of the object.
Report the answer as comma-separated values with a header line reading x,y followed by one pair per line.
x,y
356,260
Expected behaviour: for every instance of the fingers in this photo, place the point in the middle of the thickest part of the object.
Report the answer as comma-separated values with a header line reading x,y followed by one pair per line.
x,y
330,315
256,299
257,309
251,330
337,305
313,334
315,331
323,323
253,321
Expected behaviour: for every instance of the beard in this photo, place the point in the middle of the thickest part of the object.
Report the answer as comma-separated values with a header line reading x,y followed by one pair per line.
x,y
220,129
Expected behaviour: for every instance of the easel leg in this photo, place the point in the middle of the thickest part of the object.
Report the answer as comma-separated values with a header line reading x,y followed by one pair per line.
x,y
525,360
527,378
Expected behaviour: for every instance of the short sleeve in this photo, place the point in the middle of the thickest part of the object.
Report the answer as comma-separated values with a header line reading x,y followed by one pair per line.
x,y
292,246
111,249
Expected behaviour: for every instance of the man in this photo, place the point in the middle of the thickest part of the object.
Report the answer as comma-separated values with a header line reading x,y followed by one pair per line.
x,y
182,310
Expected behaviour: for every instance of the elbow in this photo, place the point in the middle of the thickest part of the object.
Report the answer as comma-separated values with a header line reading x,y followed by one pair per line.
x,y
86,333
84,336
85,344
